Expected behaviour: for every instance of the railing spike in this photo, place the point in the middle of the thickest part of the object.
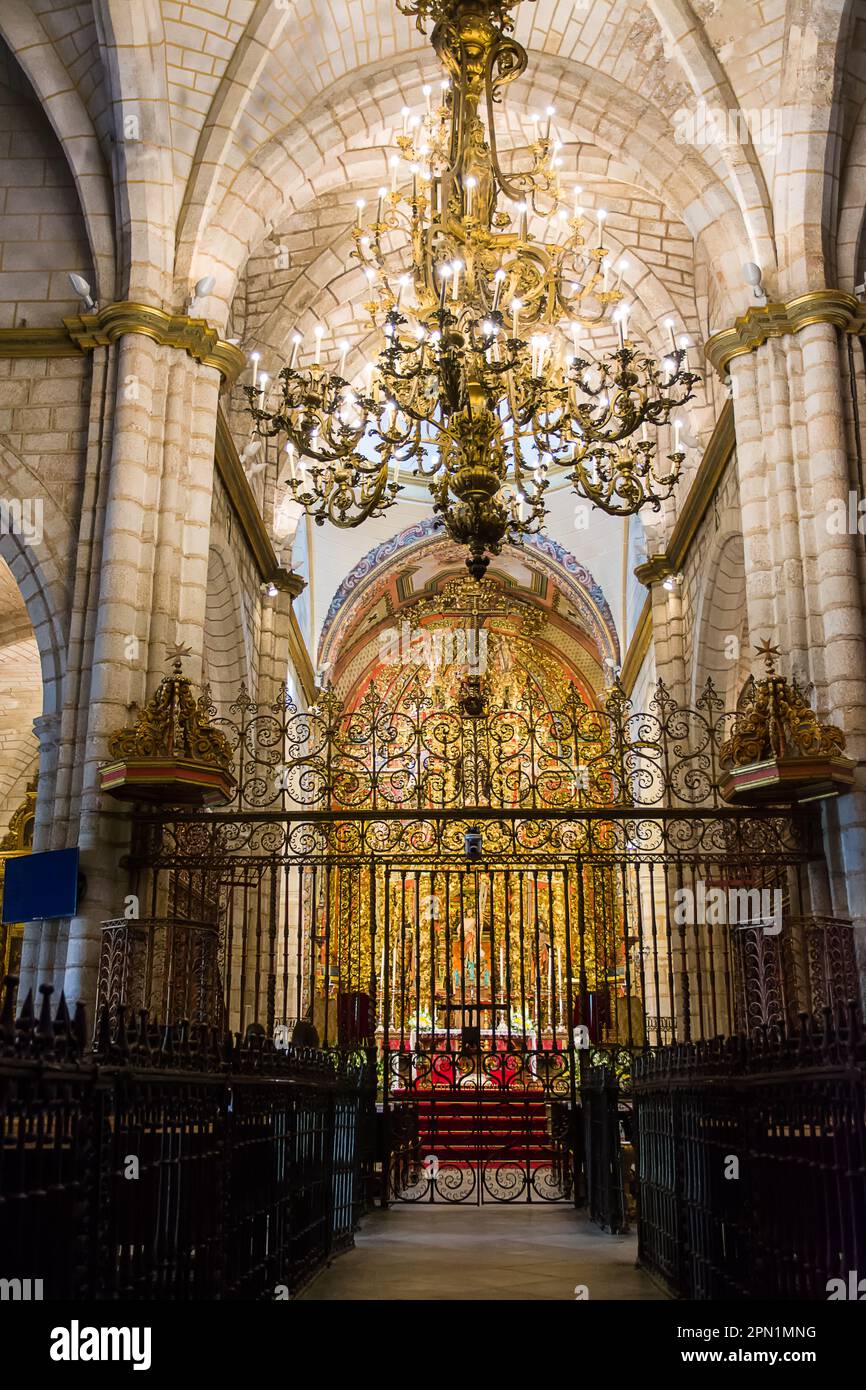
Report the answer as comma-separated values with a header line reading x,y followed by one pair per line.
x,y
121,1036
144,1035
79,1027
102,1044
44,1025
25,1019
63,1039
7,1014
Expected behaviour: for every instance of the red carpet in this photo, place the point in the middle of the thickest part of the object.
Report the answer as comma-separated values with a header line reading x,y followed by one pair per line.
x,y
463,1126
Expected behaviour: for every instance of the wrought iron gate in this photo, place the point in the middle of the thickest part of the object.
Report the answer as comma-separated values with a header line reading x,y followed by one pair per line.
x,y
341,890
479,1078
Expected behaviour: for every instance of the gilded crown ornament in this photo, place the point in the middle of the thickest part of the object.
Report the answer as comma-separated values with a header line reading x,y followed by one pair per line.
x,y
482,283
778,749
171,754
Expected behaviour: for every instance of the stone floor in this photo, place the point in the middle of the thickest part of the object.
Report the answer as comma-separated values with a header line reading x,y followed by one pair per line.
x,y
465,1253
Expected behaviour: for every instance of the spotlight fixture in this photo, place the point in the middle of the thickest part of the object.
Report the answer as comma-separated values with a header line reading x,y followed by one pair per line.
x,y
82,289
752,274
202,289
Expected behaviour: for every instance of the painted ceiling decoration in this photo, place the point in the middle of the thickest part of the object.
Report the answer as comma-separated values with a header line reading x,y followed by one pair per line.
x,y
413,566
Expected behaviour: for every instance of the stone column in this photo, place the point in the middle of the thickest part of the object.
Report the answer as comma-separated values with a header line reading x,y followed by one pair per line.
x,y
37,950
181,530
84,598
804,580
152,569
834,584
667,626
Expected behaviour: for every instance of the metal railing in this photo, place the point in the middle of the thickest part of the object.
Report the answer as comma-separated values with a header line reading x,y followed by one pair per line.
x,y
752,1161
173,1163
606,1196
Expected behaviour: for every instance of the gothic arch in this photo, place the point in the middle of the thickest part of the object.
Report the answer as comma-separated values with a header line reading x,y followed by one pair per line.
x,y
132,40
406,549
721,650
594,110
226,656
806,192
37,572
59,98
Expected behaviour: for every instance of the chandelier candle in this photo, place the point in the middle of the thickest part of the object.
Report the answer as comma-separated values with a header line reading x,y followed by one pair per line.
x,y
474,409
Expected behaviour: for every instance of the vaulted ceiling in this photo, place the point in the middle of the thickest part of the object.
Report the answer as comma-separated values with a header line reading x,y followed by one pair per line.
x,y
232,138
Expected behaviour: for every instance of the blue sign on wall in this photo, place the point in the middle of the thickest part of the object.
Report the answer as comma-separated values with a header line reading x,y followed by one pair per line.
x,y
41,885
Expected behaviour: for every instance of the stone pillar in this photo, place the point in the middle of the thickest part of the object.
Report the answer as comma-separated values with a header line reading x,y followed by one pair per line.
x,y
150,590
85,594
804,580
37,950
182,526
835,581
667,626
754,498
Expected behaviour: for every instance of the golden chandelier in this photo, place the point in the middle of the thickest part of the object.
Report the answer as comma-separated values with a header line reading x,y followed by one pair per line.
x,y
483,382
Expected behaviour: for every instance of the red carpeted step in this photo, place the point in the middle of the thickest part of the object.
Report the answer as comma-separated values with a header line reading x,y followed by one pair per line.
x,y
464,1126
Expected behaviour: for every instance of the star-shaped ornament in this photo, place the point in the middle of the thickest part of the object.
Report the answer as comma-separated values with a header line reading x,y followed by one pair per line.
x,y
177,651
768,652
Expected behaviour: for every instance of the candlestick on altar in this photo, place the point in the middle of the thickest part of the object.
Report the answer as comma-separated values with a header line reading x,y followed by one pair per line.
x,y
550,989
559,985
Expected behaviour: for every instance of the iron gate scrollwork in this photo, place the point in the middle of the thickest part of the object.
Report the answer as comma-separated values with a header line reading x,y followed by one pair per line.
x,y
335,890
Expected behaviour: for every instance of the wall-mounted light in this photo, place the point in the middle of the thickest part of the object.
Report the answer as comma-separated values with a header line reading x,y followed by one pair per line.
x,y
82,289
203,288
752,274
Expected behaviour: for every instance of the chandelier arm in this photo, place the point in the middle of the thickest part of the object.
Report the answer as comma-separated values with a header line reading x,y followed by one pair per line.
x,y
512,189
416,413
375,504
455,150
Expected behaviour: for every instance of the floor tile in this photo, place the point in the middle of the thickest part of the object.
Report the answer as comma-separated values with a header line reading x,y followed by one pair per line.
x,y
474,1253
